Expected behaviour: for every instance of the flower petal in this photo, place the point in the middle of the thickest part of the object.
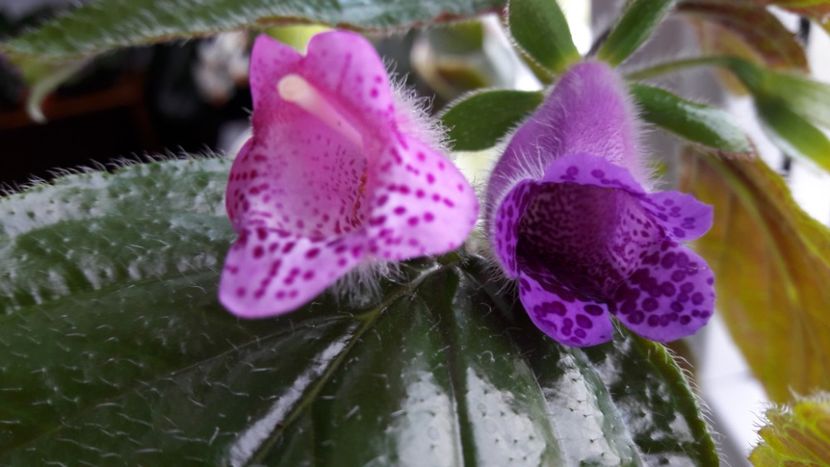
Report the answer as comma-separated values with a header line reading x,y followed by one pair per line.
x,y
421,203
268,272
270,61
504,227
670,296
593,238
588,112
346,67
585,169
299,175
681,215
560,313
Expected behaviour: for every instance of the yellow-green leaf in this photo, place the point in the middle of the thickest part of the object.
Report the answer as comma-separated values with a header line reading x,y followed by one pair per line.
x,y
795,436
772,264
768,41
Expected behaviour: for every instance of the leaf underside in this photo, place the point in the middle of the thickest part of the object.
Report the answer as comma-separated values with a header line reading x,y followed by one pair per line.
x,y
114,350
772,263
124,23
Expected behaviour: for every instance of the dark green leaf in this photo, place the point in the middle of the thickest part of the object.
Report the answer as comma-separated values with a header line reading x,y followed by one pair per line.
x,y
696,122
540,29
104,25
479,120
635,26
114,350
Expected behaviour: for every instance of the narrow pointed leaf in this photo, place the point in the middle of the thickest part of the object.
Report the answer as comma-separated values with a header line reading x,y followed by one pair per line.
x,y
696,122
792,133
635,26
772,262
115,350
104,25
795,435
479,120
540,29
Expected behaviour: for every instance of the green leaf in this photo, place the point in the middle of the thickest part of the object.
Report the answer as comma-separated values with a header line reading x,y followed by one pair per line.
x,y
792,133
43,79
541,30
696,122
480,119
635,26
115,350
104,25
772,264
798,435
786,102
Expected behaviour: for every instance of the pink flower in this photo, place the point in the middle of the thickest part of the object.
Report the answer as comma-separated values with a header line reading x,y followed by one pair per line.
x,y
336,174
571,222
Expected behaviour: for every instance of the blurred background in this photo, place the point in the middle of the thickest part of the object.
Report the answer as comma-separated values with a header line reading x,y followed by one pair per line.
x,y
192,98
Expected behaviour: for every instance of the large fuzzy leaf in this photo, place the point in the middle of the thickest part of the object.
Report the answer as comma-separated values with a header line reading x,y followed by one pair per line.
x,y
103,25
772,262
115,350
796,435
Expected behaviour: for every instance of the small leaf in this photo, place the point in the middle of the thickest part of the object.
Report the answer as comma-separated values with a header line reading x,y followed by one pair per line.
x,y
759,30
480,119
796,435
772,264
696,122
105,25
115,350
541,30
787,104
635,26
792,133
44,78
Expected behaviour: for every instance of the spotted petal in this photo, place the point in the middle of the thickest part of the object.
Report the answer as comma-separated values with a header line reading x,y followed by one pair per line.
x,y
588,112
562,314
681,215
270,61
269,272
423,206
346,68
504,227
670,296
587,169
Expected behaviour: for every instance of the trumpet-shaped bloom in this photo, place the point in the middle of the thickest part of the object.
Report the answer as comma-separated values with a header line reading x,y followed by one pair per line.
x,y
336,174
569,219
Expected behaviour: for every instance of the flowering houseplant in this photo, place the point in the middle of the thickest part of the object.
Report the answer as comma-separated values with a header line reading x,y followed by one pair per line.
x,y
117,288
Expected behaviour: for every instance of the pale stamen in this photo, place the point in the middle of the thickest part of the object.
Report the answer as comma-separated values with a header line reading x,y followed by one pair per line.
x,y
293,88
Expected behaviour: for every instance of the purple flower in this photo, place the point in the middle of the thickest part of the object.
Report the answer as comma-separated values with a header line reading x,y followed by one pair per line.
x,y
570,220
336,174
